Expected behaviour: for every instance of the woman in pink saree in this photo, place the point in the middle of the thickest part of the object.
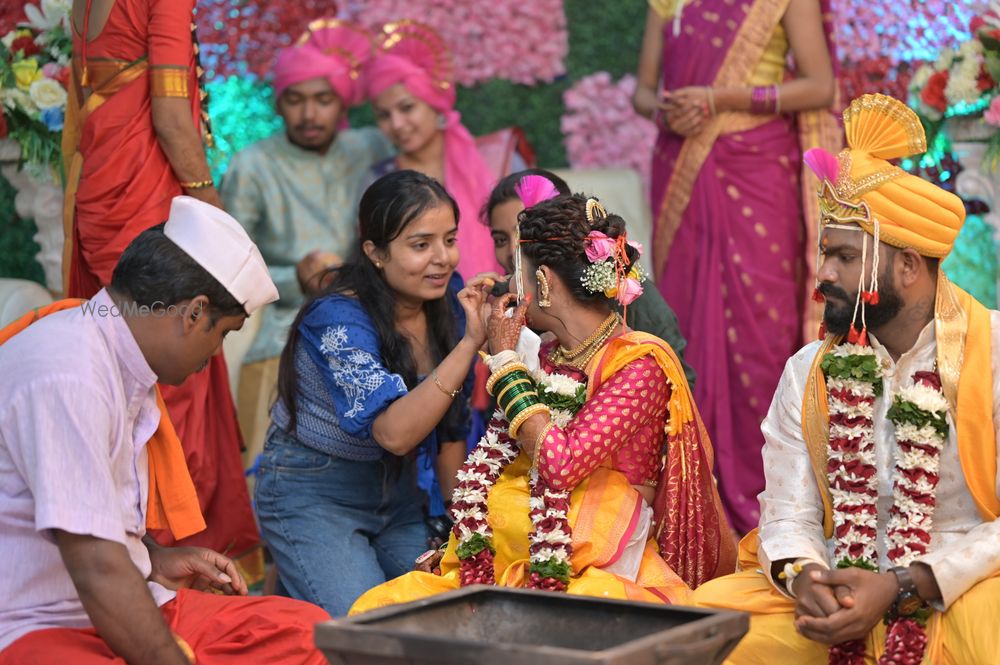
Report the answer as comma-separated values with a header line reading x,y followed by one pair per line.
x,y
728,233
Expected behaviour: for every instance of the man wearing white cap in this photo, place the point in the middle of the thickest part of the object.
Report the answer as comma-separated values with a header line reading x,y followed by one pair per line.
x,y
89,460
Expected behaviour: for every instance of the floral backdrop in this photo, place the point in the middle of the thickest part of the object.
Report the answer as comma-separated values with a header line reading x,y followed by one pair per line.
x,y
535,64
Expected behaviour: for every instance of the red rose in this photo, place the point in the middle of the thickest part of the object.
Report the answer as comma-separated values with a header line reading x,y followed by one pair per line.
x,y
975,24
26,44
63,77
547,525
933,92
984,81
929,379
3,125
994,33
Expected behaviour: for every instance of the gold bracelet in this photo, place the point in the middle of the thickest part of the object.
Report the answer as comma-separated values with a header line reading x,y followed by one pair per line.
x,y
711,99
504,371
540,439
437,382
536,452
520,419
198,184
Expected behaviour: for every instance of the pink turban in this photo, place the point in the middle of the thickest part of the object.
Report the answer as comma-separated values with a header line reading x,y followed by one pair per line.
x,y
332,49
414,55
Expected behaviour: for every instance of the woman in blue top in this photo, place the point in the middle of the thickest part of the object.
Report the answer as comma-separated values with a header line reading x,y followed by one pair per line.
x,y
372,370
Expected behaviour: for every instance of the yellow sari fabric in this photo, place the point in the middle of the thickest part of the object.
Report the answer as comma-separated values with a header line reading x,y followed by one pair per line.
x,y
601,508
963,635
603,512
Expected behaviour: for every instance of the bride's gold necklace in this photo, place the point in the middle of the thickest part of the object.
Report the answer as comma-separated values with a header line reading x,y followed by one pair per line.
x,y
579,356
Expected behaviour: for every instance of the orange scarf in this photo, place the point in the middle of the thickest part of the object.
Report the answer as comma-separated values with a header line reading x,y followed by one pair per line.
x,y
173,502
964,357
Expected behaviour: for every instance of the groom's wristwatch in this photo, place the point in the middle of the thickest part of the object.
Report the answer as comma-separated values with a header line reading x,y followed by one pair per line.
x,y
907,601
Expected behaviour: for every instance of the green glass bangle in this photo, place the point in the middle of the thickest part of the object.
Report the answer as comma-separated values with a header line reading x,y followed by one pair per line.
x,y
508,379
527,399
514,387
519,405
511,396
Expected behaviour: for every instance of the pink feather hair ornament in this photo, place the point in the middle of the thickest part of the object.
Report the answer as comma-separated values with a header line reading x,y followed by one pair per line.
x,y
533,189
823,164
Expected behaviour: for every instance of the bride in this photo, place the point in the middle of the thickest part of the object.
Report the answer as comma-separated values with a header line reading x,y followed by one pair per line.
x,y
594,476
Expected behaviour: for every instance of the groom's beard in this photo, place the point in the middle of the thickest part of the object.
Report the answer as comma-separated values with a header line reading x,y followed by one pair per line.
x,y
840,307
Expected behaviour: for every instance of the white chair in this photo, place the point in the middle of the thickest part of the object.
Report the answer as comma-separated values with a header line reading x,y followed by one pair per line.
x,y
621,192
18,297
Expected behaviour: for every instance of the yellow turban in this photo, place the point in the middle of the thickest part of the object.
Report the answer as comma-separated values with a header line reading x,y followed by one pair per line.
x,y
911,212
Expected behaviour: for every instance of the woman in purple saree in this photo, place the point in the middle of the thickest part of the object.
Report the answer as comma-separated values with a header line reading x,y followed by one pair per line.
x,y
728,235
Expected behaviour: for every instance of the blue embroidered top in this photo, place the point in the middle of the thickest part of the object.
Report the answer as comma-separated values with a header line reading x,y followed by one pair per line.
x,y
343,385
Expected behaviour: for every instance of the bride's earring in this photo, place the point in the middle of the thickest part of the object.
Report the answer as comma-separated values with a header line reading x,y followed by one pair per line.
x,y
543,289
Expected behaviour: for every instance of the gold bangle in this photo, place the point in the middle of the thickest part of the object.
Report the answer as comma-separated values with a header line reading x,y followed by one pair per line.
x,y
198,184
711,99
532,410
437,382
540,439
504,371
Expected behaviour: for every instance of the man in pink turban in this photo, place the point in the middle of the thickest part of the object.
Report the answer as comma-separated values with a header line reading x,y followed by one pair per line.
x,y
409,84
296,192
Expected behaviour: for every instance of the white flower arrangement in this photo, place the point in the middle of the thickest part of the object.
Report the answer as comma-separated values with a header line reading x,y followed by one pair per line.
x,y
599,277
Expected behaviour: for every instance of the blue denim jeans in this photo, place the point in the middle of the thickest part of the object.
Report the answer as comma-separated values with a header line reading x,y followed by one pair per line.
x,y
335,527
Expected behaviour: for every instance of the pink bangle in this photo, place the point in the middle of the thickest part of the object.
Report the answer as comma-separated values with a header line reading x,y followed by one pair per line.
x,y
764,100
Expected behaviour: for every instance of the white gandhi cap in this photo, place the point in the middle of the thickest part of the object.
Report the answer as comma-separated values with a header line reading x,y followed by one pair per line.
x,y
221,246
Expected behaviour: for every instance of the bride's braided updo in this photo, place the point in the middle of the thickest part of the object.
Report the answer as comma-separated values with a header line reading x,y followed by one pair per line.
x,y
554,232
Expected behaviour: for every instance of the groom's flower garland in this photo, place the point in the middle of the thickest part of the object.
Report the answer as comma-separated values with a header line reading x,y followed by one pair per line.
x,y
919,413
854,381
551,537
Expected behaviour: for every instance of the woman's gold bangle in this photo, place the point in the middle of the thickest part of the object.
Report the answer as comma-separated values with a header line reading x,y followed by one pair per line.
x,y
534,409
437,382
198,184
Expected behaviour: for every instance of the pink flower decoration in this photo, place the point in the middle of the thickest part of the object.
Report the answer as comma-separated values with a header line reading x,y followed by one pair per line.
x,y
992,115
599,247
609,133
523,42
629,290
51,70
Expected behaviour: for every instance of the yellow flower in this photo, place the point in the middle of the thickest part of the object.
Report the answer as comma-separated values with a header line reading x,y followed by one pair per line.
x,y
26,72
611,292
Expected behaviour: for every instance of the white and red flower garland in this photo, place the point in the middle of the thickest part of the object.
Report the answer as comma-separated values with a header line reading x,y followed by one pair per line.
x,y
551,538
854,380
468,505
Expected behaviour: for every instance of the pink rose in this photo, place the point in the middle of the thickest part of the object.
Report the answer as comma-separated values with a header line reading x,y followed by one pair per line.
x,y
629,291
992,114
599,247
51,70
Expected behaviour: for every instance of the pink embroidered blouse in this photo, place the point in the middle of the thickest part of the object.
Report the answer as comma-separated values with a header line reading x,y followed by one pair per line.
x,y
624,420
